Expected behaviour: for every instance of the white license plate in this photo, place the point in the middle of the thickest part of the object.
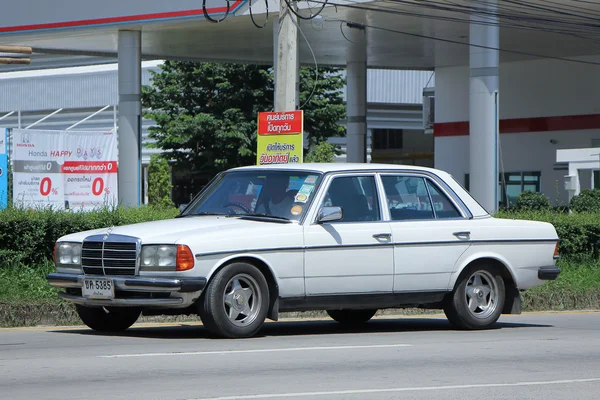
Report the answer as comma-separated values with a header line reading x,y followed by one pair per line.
x,y
98,288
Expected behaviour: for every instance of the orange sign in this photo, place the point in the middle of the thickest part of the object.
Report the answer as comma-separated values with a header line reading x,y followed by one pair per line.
x,y
280,123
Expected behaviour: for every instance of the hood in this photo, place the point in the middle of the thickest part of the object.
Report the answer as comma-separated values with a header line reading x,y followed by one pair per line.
x,y
171,230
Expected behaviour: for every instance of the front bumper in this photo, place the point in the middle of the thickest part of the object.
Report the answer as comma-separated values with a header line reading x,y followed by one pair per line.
x,y
141,291
548,273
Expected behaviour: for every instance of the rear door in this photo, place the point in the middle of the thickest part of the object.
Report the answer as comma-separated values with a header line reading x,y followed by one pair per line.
x,y
430,232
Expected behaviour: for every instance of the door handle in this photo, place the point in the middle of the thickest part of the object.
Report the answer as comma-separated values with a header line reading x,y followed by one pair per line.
x,y
462,233
382,236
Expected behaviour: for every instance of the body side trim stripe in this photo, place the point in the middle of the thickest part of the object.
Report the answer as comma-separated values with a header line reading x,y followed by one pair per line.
x,y
398,244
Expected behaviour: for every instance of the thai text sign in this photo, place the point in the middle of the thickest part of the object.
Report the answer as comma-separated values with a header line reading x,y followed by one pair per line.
x,y
3,168
280,137
64,169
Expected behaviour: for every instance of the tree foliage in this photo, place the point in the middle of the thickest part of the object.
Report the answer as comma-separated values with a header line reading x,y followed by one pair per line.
x,y
159,182
206,113
323,152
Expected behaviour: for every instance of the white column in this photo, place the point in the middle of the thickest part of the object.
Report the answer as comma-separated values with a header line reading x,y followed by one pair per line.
x,y
483,110
287,66
130,114
356,95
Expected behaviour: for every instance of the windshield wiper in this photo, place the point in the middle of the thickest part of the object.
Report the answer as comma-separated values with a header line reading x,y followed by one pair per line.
x,y
265,217
203,213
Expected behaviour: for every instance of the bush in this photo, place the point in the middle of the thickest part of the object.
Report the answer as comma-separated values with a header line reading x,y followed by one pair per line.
x,y
323,152
28,236
529,200
587,201
159,182
579,232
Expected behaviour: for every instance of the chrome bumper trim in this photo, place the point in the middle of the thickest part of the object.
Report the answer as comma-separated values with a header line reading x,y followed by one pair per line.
x,y
120,302
132,283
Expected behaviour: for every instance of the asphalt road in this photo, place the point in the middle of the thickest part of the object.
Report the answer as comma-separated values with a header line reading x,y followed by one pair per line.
x,y
532,356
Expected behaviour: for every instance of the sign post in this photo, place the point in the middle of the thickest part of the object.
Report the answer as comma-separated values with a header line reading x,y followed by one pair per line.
x,y
280,137
3,168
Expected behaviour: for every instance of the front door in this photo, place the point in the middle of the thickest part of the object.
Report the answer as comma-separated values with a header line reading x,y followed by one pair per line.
x,y
353,255
430,233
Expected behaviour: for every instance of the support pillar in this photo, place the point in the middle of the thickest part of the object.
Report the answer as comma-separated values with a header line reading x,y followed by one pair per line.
x,y
356,96
483,109
287,63
130,115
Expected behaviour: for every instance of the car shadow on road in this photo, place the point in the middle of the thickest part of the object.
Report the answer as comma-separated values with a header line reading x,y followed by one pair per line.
x,y
301,328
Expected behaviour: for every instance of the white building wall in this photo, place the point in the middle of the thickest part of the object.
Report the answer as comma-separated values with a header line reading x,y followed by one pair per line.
x,y
540,88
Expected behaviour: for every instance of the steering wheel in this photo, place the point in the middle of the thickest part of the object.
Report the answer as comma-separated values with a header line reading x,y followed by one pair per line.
x,y
238,205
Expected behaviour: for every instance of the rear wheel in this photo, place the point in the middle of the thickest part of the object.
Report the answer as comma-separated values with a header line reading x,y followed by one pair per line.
x,y
351,317
478,298
236,301
108,319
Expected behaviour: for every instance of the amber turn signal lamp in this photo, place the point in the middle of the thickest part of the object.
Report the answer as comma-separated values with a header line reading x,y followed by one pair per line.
x,y
185,258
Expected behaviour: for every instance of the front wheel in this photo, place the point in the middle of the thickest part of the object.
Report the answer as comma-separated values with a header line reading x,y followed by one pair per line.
x,y
236,301
477,300
351,317
108,319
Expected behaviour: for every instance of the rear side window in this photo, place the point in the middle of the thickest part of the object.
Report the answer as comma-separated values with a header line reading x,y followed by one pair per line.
x,y
442,205
407,198
416,198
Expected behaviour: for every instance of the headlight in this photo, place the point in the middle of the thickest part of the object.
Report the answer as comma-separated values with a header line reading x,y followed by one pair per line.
x,y
68,254
166,258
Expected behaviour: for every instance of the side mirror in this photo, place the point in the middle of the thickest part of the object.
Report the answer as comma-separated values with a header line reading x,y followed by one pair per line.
x,y
329,214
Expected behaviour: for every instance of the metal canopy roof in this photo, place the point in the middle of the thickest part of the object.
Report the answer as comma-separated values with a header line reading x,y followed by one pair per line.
x,y
237,39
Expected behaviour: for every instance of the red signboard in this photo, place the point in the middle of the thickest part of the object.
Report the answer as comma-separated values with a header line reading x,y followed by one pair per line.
x,y
280,123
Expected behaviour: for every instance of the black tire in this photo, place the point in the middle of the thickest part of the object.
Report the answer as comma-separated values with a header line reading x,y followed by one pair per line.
x,y
249,298
108,319
351,317
487,307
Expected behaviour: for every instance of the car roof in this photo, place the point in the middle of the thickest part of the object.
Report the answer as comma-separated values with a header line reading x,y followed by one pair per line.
x,y
337,167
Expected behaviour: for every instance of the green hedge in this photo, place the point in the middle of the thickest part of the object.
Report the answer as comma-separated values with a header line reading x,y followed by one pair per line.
x,y
28,236
579,232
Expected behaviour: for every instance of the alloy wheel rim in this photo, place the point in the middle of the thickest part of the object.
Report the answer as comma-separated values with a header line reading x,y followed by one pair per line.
x,y
242,300
481,294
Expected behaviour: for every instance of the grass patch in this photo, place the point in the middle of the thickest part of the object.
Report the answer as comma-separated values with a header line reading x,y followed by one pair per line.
x,y
577,288
26,299
21,284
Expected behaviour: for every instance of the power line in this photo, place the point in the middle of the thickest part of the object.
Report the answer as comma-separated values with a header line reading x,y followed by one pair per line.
x,y
211,19
252,15
476,45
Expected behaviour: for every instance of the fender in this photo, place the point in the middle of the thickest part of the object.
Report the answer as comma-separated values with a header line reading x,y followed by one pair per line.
x,y
273,312
470,256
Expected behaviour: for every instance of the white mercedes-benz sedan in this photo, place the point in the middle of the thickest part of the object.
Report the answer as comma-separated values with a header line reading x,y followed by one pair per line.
x,y
346,238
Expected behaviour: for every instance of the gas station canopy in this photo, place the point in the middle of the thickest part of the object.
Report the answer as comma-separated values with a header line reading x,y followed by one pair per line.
x,y
407,34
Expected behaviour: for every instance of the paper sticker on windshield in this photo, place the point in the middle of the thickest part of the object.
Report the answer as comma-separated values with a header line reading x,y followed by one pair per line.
x,y
296,210
311,179
306,189
301,198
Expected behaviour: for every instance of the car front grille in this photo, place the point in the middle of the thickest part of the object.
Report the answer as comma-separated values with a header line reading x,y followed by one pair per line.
x,y
109,257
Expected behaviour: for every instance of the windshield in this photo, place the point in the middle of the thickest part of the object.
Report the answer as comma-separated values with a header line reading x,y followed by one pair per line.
x,y
280,194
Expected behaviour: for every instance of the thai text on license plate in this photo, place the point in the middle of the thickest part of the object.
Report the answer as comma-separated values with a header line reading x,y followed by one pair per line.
x,y
98,288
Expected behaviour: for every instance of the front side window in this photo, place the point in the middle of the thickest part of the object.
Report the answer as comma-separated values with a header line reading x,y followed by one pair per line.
x,y
283,194
356,196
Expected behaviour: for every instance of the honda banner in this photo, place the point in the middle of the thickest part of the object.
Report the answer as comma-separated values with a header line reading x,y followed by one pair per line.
x,y
64,169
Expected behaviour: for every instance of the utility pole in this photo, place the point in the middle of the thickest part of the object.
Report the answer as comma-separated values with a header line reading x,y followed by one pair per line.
x,y
286,63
